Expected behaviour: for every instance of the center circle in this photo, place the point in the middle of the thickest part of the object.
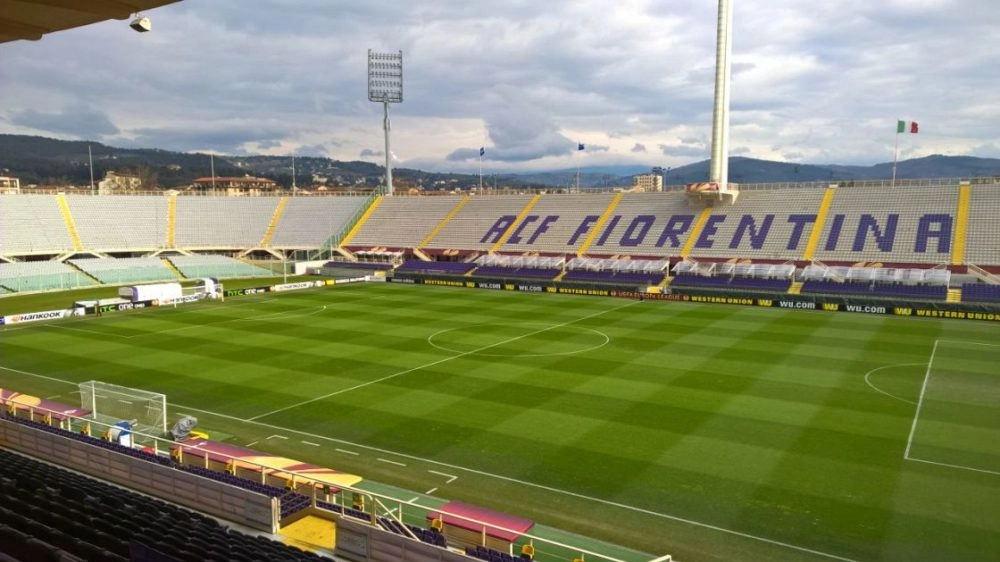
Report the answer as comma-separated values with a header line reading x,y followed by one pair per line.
x,y
518,340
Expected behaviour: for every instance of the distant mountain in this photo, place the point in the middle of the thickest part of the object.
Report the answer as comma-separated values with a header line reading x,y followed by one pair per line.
x,y
50,162
752,170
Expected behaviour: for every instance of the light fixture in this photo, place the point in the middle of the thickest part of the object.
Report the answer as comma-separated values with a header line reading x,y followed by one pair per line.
x,y
141,24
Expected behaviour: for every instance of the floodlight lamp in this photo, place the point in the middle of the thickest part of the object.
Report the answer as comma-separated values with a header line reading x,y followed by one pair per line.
x,y
141,24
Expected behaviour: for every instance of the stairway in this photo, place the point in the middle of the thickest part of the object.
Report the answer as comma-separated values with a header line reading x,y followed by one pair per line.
x,y
170,265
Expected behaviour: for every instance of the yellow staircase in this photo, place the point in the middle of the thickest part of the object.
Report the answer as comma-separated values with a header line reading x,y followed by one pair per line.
x,y
695,232
795,288
954,295
451,214
510,229
70,223
961,224
273,225
171,220
817,230
600,224
170,265
421,255
361,221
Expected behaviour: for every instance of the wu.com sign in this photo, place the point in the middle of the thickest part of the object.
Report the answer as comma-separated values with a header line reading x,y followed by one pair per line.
x,y
40,316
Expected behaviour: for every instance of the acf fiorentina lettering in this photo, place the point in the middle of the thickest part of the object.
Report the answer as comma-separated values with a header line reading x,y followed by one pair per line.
x,y
933,231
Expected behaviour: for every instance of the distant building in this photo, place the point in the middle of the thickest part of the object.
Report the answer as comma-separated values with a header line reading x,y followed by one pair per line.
x,y
9,185
647,182
235,186
118,183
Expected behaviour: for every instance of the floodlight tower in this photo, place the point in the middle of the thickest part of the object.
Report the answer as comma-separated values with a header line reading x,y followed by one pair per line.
x,y
719,169
385,85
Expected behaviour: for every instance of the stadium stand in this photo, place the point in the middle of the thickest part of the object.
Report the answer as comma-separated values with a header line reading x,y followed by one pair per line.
x,y
67,513
557,216
121,223
41,276
980,292
32,224
435,267
902,225
223,222
768,224
125,270
403,222
207,265
308,222
480,224
982,246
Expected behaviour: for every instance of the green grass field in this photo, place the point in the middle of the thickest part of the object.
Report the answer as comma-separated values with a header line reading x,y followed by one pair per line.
x,y
708,432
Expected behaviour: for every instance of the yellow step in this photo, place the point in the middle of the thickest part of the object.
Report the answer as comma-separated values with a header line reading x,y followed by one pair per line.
x,y
170,265
273,225
795,288
70,223
171,220
954,295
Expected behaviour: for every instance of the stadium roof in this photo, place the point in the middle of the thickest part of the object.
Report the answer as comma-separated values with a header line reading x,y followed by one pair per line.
x,y
31,19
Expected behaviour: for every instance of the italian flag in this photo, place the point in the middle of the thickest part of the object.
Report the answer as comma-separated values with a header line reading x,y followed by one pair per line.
x,y
901,127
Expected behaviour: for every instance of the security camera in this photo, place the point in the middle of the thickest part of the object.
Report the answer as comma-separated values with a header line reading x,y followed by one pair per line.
x,y
141,24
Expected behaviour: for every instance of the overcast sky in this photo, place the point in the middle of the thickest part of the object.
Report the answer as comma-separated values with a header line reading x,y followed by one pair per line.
x,y
813,81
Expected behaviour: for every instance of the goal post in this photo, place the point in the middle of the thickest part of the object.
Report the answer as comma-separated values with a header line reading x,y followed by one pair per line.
x,y
112,402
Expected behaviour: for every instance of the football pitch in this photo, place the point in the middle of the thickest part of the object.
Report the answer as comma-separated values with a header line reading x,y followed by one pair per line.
x,y
708,432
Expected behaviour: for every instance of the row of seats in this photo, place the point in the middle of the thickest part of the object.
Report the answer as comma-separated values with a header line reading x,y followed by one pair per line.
x,y
491,555
34,224
97,521
980,292
929,292
725,282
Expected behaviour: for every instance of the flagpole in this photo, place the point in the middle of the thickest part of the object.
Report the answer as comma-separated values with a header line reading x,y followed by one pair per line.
x,y
579,147
480,171
895,152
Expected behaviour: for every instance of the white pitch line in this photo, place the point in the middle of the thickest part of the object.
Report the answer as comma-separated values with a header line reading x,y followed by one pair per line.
x,y
551,489
451,477
525,483
431,491
251,444
667,558
390,462
273,436
348,452
879,390
972,343
53,397
438,362
310,443
959,466
920,401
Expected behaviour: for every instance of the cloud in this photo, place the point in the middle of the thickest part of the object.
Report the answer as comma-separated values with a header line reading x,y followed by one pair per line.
x,y
77,121
820,81
369,153
639,147
689,150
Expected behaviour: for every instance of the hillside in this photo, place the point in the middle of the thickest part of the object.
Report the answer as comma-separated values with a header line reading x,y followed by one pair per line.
x,y
50,162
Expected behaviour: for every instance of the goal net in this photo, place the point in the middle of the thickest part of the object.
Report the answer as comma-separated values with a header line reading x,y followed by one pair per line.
x,y
111,403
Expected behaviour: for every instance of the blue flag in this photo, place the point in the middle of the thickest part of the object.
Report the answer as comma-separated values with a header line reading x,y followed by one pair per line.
x,y
482,151
579,146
